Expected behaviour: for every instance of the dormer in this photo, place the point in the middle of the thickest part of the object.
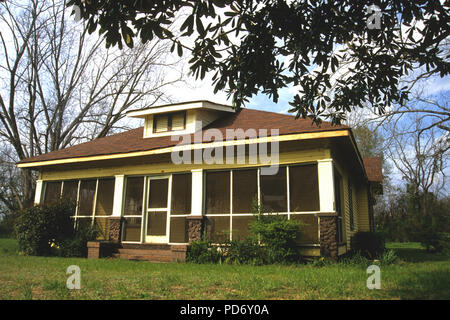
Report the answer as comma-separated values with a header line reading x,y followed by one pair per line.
x,y
179,118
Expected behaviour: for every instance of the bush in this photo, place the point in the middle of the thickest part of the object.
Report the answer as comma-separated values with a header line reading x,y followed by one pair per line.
x,y
202,251
433,241
279,237
247,251
49,230
367,244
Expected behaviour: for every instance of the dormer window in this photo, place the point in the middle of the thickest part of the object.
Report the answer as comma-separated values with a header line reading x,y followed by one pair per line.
x,y
169,122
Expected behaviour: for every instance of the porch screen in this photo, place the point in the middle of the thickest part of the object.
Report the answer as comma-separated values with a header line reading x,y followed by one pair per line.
x,y
217,192
181,194
304,188
52,192
218,228
309,228
245,190
133,209
178,230
87,193
240,227
104,206
273,192
70,190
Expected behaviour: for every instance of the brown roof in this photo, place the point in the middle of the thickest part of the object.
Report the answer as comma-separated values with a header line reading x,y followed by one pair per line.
x,y
133,140
373,169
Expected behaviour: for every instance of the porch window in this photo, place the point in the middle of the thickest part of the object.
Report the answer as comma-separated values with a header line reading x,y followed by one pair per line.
x,y
273,192
245,190
70,190
309,230
181,194
217,193
104,206
350,205
338,205
52,192
304,188
134,191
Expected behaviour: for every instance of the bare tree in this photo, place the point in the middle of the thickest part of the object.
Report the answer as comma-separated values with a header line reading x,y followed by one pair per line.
x,y
421,156
60,87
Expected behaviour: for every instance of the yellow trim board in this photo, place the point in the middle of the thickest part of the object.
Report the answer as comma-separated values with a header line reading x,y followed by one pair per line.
x,y
290,137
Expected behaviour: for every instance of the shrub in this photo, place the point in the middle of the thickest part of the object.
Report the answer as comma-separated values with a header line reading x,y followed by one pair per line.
x,y
76,246
367,244
279,237
247,251
49,230
202,251
433,241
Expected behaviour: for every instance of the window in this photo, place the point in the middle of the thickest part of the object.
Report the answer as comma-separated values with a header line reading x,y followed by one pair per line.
x,y
133,209
217,193
181,194
304,188
86,200
70,190
52,192
245,190
169,122
350,205
338,205
104,206
273,192
218,228
309,228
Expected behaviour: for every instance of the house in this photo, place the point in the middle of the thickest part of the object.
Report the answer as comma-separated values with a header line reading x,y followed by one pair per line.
x,y
195,167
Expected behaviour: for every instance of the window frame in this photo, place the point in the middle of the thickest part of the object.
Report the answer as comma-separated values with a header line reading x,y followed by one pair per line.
x,y
169,121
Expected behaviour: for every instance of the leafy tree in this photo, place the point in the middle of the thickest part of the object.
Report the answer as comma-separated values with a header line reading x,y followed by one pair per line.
x,y
339,54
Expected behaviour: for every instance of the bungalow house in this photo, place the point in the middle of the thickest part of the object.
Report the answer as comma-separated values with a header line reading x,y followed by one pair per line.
x,y
195,168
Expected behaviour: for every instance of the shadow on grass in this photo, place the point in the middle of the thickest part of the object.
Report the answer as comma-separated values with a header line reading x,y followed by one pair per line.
x,y
424,285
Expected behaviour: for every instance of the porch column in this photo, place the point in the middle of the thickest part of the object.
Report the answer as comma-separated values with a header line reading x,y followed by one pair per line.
x,y
327,215
326,185
38,192
116,218
195,220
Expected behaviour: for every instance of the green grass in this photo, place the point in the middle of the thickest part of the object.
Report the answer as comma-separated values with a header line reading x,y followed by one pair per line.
x,y
420,275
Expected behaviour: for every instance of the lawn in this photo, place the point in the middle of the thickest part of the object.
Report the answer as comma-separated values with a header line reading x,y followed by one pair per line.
x,y
420,275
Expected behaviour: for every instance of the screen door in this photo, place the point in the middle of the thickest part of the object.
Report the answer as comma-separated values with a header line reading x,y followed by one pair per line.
x,y
157,210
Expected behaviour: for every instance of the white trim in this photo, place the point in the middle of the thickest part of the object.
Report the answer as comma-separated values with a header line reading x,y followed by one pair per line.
x,y
197,191
119,193
288,195
180,107
231,205
326,185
